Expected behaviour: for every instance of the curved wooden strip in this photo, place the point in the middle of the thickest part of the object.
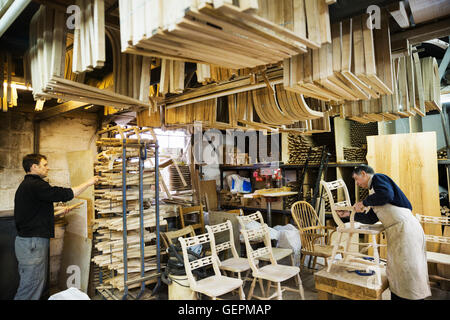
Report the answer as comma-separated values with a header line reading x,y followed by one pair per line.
x,y
294,106
275,114
313,114
283,103
257,104
278,105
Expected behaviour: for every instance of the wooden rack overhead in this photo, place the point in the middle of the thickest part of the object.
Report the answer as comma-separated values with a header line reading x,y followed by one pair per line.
x,y
354,65
220,33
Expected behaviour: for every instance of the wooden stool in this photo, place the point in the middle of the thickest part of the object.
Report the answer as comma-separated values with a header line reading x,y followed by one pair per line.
x,y
349,284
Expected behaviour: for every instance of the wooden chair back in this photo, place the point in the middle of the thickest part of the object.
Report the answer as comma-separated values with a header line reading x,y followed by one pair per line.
x,y
202,262
168,236
444,221
200,223
253,254
244,220
226,226
343,205
307,222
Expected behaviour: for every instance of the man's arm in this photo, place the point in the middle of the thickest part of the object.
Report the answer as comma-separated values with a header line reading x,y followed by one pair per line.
x,y
368,218
80,189
383,192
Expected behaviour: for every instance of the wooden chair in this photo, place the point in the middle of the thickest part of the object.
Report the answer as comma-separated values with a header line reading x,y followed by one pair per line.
x,y
272,272
436,257
199,223
212,286
168,236
352,259
311,232
278,253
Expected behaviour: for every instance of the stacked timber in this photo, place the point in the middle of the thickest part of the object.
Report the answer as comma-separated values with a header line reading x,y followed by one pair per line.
x,y
220,33
299,146
360,131
355,154
354,65
108,225
89,36
47,54
8,92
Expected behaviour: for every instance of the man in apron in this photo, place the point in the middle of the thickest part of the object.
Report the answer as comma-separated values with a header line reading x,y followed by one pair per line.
x,y
406,269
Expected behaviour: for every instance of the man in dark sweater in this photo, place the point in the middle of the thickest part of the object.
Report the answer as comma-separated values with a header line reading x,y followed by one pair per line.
x,y
34,218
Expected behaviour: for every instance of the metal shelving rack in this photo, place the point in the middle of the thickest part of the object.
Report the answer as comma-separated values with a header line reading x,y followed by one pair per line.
x,y
143,145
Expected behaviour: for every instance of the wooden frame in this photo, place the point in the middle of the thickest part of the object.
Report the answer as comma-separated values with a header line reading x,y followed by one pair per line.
x,y
192,210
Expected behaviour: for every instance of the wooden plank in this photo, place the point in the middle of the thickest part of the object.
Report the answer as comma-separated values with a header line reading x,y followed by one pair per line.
x,y
426,10
398,12
419,97
411,161
313,20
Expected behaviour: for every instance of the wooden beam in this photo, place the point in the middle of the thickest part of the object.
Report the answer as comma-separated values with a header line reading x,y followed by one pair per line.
x,y
60,109
423,33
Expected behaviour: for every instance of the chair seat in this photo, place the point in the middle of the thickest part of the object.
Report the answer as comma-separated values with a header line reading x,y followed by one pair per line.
x,y
235,265
323,250
216,286
437,257
278,254
276,273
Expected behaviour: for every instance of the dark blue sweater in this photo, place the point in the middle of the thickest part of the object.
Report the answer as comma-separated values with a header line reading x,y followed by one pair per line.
x,y
386,191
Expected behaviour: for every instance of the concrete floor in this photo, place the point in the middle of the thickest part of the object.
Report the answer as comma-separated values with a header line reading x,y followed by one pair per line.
x,y
307,277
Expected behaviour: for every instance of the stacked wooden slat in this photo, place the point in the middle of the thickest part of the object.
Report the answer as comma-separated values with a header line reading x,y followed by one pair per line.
x,y
360,131
355,154
298,148
220,33
8,91
176,183
109,207
207,73
172,76
89,36
431,83
355,65
47,63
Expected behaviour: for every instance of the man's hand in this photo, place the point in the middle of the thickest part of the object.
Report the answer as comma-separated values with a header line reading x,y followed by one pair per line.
x,y
343,213
359,207
92,181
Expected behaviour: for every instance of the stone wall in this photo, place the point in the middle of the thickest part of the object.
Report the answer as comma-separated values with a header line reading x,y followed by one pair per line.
x,y
71,132
16,140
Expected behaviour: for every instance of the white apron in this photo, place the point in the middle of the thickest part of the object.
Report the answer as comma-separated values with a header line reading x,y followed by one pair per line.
x,y
406,268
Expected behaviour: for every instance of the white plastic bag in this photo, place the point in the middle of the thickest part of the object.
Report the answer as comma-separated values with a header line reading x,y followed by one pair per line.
x,y
70,294
289,237
239,184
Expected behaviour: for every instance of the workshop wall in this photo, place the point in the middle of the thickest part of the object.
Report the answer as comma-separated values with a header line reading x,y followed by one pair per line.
x,y
16,140
59,135
67,133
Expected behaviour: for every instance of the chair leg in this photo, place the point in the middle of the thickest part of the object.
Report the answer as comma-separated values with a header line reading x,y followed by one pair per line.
x,y
302,261
279,296
252,287
241,293
300,287
293,264
314,262
335,248
269,284
261,285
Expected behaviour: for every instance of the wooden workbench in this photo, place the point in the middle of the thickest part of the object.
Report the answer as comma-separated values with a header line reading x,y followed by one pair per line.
x,y
348,284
